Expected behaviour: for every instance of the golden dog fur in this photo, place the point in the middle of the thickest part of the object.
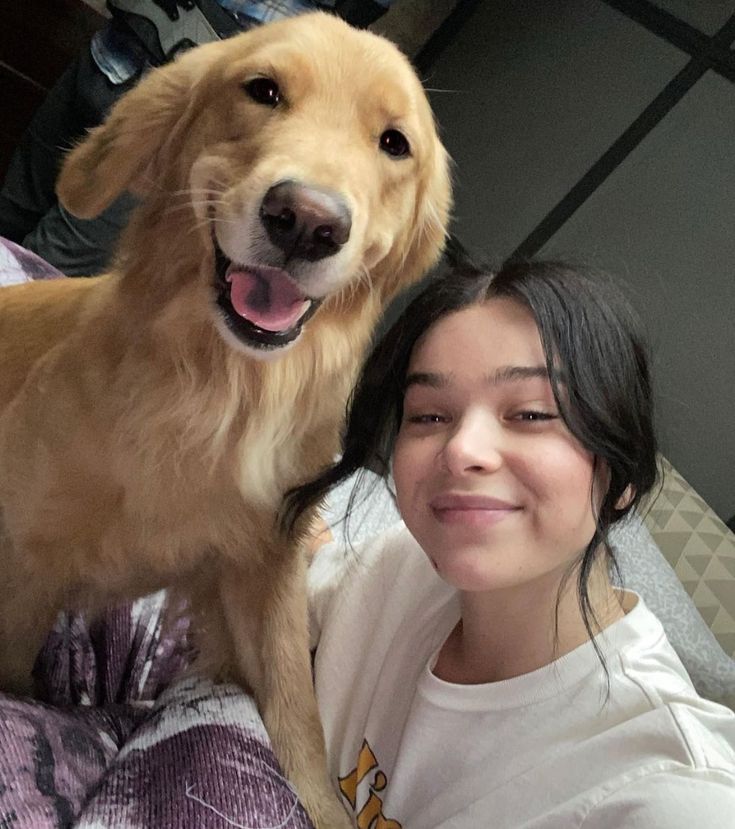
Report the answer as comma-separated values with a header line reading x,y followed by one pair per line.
x,y
141,444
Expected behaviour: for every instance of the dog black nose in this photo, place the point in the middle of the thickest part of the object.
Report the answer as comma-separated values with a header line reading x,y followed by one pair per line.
x,y
305,222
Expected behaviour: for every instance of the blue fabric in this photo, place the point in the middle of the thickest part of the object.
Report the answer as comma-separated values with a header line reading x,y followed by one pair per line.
x,y
265,11
120,57
117,53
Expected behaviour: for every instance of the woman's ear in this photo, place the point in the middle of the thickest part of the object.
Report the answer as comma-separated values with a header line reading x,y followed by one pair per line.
x,y
625,500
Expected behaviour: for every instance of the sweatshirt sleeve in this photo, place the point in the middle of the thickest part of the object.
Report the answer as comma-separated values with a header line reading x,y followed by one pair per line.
x,y
340,570
702,797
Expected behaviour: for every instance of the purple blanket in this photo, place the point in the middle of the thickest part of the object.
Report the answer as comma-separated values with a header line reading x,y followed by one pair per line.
x,y
116,740
122,737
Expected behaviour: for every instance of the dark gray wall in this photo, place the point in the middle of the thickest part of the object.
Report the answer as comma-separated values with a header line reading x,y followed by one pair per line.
x,y
532,93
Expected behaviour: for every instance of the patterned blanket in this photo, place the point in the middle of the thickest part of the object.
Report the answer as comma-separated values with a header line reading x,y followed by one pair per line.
x,y
121,737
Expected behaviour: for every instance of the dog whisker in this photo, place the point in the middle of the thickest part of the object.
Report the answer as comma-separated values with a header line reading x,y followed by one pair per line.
x,y
221,220
176,208
197,226
187,191
208,222
194,204
204,194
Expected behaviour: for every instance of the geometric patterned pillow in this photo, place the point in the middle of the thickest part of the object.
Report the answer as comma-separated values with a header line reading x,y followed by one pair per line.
x,y
701,550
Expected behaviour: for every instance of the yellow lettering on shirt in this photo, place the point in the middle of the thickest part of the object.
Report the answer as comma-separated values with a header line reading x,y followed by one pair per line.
x,y
370,815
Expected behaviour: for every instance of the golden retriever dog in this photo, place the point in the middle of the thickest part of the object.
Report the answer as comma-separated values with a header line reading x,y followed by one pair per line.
x,y
291,182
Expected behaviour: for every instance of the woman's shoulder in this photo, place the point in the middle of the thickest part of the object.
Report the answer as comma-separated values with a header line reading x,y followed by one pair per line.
x,y
344,580
387,553
652,697
667,799
642,658
669,753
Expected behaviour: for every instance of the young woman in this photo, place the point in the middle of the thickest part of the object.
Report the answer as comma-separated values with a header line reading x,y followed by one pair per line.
x,y
479,669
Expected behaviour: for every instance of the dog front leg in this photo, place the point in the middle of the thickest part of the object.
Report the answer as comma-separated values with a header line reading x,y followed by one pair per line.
x,y
269,629
27,614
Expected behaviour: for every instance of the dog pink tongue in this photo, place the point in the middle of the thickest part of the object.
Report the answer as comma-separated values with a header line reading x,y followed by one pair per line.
x,y
265,296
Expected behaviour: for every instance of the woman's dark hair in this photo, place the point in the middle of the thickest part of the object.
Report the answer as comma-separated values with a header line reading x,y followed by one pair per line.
x,y
597,361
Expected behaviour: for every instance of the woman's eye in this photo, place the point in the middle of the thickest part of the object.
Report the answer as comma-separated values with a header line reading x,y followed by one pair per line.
x,y
534,416
264,91
425,419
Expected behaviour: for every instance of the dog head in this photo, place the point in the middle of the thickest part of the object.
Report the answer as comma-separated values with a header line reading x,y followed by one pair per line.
x,y
294,171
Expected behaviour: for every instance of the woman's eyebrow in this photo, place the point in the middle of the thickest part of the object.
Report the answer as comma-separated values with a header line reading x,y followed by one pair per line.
x,y
426,378
509,374
505,374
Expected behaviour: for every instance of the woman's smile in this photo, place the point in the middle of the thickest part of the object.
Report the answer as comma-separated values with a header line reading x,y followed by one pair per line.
x,y
471,509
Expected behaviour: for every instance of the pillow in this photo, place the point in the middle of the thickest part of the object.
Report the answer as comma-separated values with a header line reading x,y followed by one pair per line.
x,y
643,568
700,548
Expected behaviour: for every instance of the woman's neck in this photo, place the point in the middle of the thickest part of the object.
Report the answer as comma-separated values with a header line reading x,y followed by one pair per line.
x,y
507,633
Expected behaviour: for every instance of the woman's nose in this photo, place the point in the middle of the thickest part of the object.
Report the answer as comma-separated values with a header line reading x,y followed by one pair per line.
x,y
475,445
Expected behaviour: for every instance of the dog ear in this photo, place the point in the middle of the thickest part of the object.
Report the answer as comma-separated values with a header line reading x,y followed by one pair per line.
x,y
121,153
433,205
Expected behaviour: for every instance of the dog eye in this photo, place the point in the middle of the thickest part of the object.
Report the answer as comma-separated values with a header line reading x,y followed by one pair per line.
x,y
264,91
395,143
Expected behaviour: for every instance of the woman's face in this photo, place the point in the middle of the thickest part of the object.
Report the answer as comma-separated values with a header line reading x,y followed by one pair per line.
x,y
489,479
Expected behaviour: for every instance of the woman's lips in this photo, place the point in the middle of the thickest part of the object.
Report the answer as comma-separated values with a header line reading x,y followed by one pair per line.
x,y
471,510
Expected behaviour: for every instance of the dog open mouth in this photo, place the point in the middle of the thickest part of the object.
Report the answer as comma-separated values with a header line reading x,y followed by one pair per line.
x,y
262,305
